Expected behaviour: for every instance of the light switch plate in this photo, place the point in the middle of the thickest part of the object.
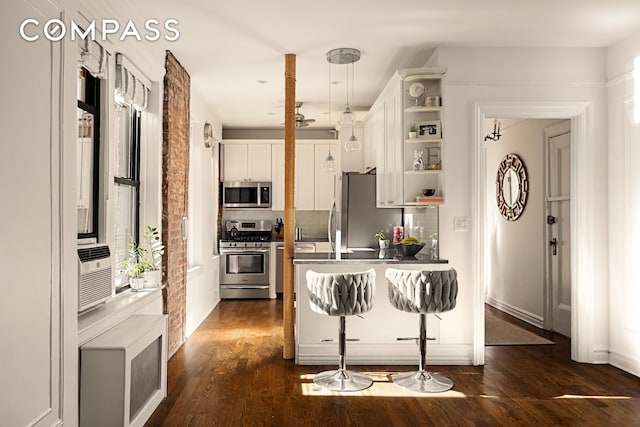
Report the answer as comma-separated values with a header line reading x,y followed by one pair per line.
x,y
461,223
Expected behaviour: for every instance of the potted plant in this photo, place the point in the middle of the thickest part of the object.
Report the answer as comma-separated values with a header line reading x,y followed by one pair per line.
x,y
413,132
135,266
153,251
382,239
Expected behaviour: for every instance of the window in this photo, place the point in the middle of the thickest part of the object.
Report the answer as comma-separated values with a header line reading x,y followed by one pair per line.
x,y
88,153
127,185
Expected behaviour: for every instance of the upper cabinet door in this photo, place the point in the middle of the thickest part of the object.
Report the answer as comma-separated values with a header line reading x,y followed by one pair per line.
x,y
235,162
324,180
247,162
305,164
259,162
277,177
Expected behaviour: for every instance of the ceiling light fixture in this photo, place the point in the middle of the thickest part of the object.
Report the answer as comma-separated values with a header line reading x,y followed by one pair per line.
x,y
347,56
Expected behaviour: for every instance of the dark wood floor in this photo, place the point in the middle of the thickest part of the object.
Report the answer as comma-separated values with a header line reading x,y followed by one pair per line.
x,y
231,373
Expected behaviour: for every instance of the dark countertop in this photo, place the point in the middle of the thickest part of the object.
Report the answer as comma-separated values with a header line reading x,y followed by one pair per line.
x,y
366,257
305,240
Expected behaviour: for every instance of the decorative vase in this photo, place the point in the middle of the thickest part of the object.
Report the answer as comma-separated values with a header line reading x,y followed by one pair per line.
x,y
384,244
413,135
152,278
136,283
418,163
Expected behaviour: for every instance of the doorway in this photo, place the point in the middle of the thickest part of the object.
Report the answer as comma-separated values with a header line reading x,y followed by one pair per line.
x,y
518,258
582,261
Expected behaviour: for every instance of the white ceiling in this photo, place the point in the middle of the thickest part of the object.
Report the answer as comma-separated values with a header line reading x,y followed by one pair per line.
x,y
228,47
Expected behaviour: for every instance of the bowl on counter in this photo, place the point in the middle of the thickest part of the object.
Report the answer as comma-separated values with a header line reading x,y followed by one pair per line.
x,y
409,250
428,192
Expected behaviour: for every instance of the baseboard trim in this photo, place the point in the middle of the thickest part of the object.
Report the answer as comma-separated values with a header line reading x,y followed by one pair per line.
x,y
402,353
516,312
626,363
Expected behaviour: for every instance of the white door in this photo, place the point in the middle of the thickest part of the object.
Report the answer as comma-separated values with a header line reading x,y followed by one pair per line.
x,y
559,237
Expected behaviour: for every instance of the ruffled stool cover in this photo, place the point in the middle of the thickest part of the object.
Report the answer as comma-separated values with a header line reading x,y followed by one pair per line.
x,y
341,294
422,292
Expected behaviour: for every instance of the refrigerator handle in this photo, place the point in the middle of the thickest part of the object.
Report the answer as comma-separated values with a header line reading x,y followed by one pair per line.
x,y
329,230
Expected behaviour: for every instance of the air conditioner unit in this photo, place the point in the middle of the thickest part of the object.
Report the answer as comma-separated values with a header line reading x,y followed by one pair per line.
x,y
95,275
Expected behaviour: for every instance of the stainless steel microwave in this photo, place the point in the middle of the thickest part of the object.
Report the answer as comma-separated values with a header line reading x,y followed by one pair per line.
x,y
246,194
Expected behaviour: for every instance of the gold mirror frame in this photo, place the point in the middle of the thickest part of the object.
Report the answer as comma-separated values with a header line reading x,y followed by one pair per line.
x,y
512,211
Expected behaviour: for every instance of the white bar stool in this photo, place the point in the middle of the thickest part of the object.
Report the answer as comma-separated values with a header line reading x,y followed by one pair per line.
x,y
422,292
341,294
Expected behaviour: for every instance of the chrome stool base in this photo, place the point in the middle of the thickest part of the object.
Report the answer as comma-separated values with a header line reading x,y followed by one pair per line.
x,y
342,380
423,381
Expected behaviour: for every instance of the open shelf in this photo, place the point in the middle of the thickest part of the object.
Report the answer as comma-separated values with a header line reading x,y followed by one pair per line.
x,y
422,109
424,172
432,201
422,140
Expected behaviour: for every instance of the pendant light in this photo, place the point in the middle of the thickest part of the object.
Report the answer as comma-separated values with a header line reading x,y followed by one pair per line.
x,y
329,162
347,56
347,115
353,144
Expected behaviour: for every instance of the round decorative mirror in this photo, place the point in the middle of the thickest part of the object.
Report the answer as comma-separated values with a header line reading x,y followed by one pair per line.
x,y
511,187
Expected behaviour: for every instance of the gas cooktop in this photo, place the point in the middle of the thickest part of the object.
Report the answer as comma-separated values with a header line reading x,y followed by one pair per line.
x,y
247,231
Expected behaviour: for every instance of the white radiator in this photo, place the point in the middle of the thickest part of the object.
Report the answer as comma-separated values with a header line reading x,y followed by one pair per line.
x,y
95,275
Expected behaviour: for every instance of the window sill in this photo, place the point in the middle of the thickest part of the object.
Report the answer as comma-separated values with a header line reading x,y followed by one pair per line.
x,y
94,322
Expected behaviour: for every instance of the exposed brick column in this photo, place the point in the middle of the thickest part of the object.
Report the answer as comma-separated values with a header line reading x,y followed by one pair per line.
x,y
175,186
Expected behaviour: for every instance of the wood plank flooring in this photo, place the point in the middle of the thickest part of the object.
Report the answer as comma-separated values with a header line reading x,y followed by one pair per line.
x,y
231,373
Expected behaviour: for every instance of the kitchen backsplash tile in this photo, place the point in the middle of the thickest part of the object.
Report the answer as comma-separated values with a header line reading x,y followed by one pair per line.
x,y
313,223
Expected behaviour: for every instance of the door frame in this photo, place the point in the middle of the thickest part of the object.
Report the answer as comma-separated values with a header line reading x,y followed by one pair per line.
x,y
550,132
582,314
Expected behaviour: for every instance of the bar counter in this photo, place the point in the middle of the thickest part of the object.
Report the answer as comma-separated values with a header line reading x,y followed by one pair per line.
x,y
389,256
377,331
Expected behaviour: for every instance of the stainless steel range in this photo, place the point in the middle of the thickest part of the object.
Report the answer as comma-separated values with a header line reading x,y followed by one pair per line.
x,y
244,267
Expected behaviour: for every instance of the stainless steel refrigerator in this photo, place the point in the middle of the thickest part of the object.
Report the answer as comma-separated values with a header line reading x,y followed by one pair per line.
x,y
354,218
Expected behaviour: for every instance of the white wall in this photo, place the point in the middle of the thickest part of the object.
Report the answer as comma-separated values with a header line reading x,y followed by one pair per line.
x,y
516,270
512,77
624,204
203,292
38,217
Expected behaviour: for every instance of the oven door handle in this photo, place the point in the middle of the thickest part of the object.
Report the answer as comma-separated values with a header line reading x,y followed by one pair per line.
x,y
244,251
245,286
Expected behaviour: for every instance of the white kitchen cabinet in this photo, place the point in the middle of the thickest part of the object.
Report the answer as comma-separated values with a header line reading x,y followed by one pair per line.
x,y
305,177
368,147
246,161
277,177
313,186
399,181
324,185
386,118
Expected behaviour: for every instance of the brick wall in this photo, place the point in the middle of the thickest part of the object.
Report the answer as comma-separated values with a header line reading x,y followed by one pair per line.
x,y
175,185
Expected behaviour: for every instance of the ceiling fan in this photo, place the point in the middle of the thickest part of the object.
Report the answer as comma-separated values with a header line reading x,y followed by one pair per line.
x,y
300,120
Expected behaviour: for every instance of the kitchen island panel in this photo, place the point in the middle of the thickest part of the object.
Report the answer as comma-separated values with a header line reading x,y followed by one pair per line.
x,y
377,330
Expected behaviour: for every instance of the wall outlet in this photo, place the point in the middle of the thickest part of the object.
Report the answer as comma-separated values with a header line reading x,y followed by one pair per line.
x,y
461,223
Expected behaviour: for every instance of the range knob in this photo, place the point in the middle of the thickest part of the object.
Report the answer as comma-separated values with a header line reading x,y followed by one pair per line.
x,y
233,232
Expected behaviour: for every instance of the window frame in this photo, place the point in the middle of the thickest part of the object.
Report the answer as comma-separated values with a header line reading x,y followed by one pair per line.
x,y
133,180
92,105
